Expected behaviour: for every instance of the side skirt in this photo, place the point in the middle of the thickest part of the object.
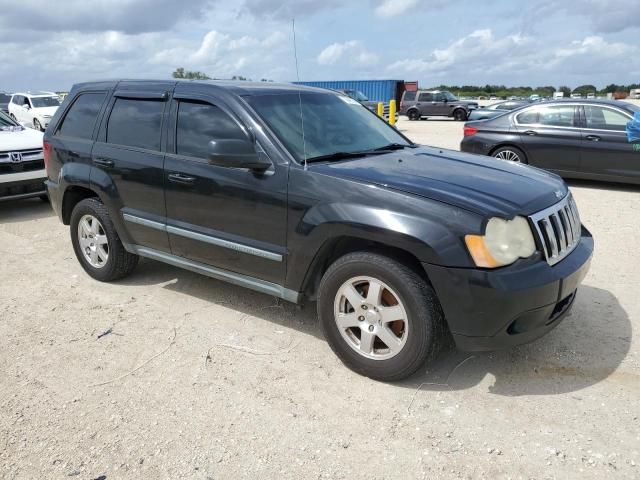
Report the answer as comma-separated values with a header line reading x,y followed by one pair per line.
x,y
217,273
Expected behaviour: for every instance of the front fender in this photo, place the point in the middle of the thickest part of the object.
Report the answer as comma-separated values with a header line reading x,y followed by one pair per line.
x,y
431,237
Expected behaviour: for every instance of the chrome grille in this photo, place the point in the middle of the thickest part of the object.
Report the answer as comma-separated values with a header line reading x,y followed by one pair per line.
x,y
558,229
27,155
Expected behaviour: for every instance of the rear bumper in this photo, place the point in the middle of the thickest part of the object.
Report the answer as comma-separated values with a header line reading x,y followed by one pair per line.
x,y
492,310
17,186
53,189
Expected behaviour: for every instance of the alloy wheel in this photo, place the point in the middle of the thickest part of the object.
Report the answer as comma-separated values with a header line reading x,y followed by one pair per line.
x,y
508,155
93,241
371,318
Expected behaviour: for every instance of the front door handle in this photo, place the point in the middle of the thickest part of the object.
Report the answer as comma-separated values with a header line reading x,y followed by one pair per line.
x,y
103,162
180,178
593,138
531,133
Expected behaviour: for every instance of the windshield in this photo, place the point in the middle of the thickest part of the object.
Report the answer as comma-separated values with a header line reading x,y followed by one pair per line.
x,y
332,123
39,102
7,123
4,98
450,97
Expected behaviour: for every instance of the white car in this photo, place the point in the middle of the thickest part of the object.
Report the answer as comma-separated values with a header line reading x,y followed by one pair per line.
x,y
34,108
22,172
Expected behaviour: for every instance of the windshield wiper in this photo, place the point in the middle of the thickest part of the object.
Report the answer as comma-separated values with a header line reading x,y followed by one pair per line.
x,y
343,155
394,146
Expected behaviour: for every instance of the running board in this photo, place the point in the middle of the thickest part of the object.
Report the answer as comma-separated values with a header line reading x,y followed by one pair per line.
x,y
217,273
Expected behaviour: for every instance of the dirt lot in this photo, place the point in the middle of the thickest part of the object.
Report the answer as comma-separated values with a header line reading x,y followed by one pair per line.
x,y
200,379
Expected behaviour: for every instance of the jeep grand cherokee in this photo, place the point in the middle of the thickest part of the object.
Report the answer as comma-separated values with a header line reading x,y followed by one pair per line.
x,y
305,194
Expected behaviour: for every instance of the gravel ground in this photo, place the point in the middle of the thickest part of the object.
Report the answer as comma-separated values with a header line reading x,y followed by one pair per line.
x,y
169,374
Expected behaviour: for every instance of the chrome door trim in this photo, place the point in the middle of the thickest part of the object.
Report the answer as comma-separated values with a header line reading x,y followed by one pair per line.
x,y
217,241
218,273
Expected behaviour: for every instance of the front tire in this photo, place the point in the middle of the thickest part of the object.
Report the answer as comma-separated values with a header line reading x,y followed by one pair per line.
x,y
382,319
97,244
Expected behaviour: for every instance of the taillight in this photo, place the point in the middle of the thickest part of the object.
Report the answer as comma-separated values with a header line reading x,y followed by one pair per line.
x,y
46,153
468,131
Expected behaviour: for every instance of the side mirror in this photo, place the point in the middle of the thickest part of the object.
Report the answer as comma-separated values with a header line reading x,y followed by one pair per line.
x,y
235,153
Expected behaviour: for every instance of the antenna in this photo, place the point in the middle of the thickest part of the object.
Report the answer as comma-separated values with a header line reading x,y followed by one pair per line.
x,y
295,55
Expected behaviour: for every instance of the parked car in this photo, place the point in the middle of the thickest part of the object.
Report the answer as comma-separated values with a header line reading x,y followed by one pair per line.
x,y
575,139
576,95
397,242
22,173
558,95
435,103
360,97
496,109
34,108
534,98
4,101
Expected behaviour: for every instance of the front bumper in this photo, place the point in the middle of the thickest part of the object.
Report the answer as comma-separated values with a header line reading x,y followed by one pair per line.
x,y
15,186
496,309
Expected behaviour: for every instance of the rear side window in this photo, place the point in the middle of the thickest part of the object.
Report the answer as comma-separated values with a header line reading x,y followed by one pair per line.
x,y
528,116
605,119
409,96
425,97
557,116
198,124
81,117
135,123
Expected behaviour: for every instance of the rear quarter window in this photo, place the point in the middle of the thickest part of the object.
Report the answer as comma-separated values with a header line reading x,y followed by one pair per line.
x,y
80,120
409,96
528,117
135,123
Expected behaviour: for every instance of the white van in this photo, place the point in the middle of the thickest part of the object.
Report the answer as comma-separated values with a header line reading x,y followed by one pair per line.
x,y
557,95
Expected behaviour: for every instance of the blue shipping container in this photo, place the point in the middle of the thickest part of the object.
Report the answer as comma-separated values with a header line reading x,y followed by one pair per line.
x,y
375,90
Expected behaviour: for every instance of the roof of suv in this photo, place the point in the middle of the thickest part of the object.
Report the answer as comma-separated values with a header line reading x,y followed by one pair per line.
x,y
239,87
36,94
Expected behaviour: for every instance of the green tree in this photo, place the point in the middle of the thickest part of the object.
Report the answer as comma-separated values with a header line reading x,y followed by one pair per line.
x,y
565,90
180,72
584,89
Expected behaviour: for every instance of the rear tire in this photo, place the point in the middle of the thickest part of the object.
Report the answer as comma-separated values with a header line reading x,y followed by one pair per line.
x,y
460,115
414,115
360,328
510,154
97,244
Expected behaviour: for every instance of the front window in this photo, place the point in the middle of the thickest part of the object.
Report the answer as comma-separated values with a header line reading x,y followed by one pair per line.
x,y
331,124
601,118
450,97
39,102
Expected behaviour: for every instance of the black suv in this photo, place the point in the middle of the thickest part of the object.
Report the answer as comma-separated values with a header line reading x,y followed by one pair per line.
x,y
305,194
435,103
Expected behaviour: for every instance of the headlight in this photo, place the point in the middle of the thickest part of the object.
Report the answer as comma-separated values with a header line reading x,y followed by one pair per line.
x,y
503,242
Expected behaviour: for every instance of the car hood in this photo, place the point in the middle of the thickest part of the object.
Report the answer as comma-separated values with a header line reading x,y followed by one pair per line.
x,y
20,140
480,184
46,110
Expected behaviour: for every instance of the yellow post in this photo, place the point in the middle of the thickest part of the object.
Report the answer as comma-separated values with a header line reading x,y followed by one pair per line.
x,y
392,112
380,109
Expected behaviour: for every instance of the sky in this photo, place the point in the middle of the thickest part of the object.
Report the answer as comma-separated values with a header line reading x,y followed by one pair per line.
x,y
52,45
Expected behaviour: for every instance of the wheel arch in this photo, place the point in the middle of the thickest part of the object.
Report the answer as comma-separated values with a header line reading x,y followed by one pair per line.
x,y
337,247
73,195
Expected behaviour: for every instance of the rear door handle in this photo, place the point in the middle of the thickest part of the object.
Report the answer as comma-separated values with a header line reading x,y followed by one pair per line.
x,y
531,133
103,162
593,138
180,178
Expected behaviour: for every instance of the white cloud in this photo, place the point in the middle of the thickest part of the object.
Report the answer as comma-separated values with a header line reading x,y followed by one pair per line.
x,y
481,57
352,51
392,8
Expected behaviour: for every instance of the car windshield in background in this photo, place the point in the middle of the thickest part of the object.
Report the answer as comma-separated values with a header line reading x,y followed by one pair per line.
x,y
39,102
4,98
7,123
333,125
450,97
